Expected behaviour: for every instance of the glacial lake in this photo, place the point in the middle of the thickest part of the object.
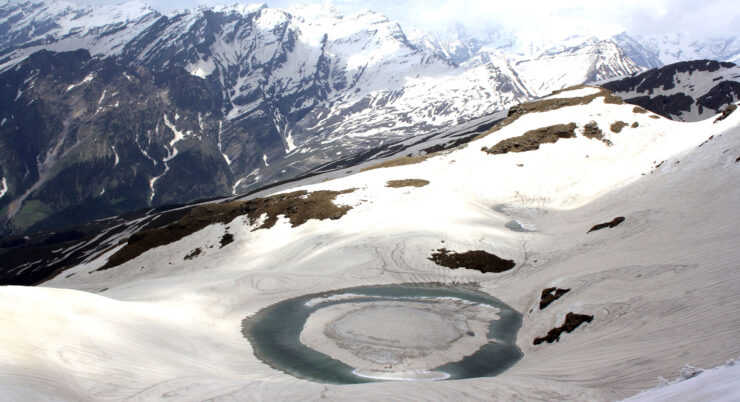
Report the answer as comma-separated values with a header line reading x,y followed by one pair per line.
x,y
274,333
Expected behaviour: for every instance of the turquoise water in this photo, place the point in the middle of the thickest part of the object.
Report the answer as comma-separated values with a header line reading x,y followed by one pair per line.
x,y
274,333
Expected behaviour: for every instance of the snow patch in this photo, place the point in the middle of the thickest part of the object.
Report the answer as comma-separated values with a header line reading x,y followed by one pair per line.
x,y
220,149
84,81
201,68
113,147
171,153
3,188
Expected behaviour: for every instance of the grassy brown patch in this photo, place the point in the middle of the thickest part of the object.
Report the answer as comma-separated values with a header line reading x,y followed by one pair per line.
x,y
592,130
654,116
546,105
617,126
614,222
478,260
532,139
549,295
640,110
572,321
298,207
635,125
407,183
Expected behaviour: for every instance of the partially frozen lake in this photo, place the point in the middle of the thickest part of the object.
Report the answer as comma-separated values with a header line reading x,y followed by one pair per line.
x,y
383,333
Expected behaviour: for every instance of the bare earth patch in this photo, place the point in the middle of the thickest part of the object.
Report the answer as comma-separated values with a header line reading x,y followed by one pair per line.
x,y
614,222
407,183
640,110
298,207
478,260
532,139
572,321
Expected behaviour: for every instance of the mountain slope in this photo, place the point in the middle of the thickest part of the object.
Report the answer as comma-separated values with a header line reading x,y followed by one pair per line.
x,y
685,91
663,280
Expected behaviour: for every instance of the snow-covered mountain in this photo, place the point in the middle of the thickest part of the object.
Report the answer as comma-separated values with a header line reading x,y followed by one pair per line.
x,y
604,212
558,68
647,51
250,94
33,25
228,99
677,47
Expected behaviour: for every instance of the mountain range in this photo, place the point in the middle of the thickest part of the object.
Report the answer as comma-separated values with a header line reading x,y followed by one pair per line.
x,y
605,232
107,109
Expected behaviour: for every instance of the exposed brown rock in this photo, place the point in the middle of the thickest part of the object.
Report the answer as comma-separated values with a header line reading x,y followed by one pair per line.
x,y
728,111
226,239
478,260
617,126
193,254
572,321
298,207
635,125
638,109
615,222
549,295
407,183
532,139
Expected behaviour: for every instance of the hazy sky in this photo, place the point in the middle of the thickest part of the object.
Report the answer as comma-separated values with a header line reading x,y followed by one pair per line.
x,y
697,17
